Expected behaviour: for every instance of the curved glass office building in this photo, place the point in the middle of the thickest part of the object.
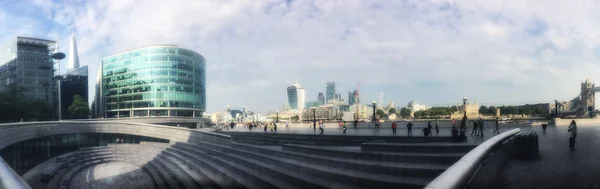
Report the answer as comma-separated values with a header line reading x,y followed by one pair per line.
x,y
153,81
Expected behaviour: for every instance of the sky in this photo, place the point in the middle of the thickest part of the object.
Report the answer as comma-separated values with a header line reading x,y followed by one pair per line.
x,y
433,52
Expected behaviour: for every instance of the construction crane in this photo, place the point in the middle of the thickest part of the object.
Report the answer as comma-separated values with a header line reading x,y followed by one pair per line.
x,y
381,98
357,102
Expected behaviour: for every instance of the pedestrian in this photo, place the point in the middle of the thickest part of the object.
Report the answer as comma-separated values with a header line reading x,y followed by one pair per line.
x,y
429,125
265,127
344,127
453,122
394,128
426,131
573,131
475,126
409,128
275,126
497,130
355,123
481,127
321,126
455,134
437,130
117,141
287,125
315,125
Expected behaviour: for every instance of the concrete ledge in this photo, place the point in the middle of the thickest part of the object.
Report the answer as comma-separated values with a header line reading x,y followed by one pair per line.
x,y
424,147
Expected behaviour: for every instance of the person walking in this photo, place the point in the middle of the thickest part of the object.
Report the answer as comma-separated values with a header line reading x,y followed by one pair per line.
x,y
287,125
321,126
344,127
394,128
437,130
481,127
429,125
453,122
315,125
475,126
265,127
275,127
409,128
573,131
355,123
497,130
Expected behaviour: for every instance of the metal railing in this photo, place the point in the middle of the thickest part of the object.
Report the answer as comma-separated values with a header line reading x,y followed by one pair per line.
x,y
9,178
464,172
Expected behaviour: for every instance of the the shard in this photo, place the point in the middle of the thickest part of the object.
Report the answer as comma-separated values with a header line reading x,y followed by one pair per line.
x,y
73,56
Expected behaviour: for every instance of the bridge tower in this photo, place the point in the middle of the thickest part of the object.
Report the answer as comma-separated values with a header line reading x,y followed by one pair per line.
x,y
586,98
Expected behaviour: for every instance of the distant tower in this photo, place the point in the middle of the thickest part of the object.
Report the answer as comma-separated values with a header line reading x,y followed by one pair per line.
x,y
295,96
587,97
73,56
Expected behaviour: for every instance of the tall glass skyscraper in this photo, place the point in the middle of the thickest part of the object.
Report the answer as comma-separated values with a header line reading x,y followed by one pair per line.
x,y
26,62
74,82
160,80
295,97
330,92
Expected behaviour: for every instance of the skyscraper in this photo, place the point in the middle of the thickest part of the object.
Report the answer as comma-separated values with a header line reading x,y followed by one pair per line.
x,y
295,97
352,97
74,82
321,98
330,91
26,63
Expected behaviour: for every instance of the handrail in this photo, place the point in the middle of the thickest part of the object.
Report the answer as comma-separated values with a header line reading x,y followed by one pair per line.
x,y
459,174
9,178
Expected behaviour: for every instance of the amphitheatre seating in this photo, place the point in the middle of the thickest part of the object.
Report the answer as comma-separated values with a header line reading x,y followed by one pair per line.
x,y
259,160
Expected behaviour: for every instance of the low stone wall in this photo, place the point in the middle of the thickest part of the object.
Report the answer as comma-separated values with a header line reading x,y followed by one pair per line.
x,y
579,121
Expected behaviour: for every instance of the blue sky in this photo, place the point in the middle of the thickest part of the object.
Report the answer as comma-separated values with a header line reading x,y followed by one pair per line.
x,y
434,52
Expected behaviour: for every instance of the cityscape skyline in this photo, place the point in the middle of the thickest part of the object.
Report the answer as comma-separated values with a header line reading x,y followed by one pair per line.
x,y
411,49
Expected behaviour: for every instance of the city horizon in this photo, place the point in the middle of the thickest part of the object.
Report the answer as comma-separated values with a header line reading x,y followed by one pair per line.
x,y
433,53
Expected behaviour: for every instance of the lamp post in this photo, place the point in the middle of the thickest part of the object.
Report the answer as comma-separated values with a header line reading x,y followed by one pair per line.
x,y
556,107
59,56
374,118
465,106
277,118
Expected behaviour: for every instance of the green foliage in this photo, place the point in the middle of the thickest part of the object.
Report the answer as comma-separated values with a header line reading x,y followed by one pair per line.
x,y
436,112
381,114
392,110
483,110
79,108
492,110
14,106
404,112
295,118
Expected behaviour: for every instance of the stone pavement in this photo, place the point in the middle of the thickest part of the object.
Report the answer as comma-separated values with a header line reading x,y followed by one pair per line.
x,y
385,130
559,167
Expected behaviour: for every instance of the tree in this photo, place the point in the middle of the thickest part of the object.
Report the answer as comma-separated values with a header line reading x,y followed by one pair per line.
x,y
392,110
381,114
79,108
295,118
404,112
491,110
483,109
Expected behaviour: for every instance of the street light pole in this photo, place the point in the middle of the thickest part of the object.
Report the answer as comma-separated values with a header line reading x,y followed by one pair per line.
x,y
58,56
556,107
374,104
465,106
277,118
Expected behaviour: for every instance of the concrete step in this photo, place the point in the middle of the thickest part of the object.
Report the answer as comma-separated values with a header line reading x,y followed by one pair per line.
x,y
201,179
390,168
408,157
214,171
292,178
178,170
248,176
422,147
336,138
345,176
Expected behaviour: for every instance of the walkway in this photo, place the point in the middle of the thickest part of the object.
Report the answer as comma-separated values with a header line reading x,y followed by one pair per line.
x,y
558,167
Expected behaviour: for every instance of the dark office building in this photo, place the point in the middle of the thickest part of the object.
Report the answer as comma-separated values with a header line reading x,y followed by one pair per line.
x,y
74,82
26,62
321,98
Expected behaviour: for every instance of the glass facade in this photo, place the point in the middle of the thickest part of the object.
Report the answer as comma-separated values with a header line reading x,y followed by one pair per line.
x,y
292,94
74,82
159,80
27,63
330,92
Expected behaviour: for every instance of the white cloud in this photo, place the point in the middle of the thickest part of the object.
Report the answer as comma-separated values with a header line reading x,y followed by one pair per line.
x,y
434,51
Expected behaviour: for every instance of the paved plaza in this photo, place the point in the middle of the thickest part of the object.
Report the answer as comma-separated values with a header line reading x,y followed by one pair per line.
x,y
385,130
559,167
